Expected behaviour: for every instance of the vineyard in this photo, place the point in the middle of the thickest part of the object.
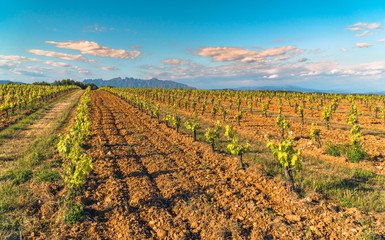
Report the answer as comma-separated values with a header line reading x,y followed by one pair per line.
x,y
196,164
18,100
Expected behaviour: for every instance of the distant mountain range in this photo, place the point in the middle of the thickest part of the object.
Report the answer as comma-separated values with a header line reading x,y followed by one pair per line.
x,y
137,83
7,81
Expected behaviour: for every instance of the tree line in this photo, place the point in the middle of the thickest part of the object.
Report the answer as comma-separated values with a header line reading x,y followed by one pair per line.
x,y
68,82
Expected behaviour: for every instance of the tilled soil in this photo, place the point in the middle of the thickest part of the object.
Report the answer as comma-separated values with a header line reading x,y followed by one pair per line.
x,y
150,183
256,125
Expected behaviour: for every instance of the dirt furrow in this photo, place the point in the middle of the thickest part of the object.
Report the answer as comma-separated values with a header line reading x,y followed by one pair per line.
x,y
138,179
175,180
194,173
222,187
283,208
150,183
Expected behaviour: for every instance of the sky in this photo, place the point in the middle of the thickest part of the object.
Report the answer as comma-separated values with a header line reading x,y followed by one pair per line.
x,y
207,44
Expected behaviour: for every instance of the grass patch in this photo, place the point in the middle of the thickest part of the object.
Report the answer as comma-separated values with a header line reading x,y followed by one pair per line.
x,y
363,174
18,175
15,194
350,187
11,196
47,175
73,212
334,150
354,154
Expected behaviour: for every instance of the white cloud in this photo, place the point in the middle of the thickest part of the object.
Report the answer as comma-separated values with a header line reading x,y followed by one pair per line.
x,y
355,29
365,33
367,25
109,68
175,61
343,49
290,71
381,40
364,28
280,58
151,67
271,76
92,48
242,55
64,56
32,72
80,70
363,45
18,58
15,64
57,64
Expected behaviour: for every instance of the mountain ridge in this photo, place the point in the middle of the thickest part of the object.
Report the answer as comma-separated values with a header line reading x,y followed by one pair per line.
x,y
8,81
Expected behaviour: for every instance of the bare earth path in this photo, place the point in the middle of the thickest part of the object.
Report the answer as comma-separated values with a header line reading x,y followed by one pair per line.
x,y
13,148
150,183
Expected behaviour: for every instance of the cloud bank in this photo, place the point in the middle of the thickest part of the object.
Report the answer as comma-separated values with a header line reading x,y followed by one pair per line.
x,y
93,48
64,56
242,55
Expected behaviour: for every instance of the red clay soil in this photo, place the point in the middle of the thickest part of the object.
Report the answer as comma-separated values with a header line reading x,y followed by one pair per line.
x,y
150,183
257,126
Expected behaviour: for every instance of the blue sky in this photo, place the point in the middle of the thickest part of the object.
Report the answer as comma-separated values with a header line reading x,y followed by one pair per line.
x,y
206,44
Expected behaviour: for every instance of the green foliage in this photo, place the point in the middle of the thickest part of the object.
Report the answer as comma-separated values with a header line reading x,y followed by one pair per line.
x,y
203,107
250,105
175,121
79,164
229,133
69,82
313,132
193,126
18,175
212,134
264,109
238,117
363,174
326,115
286,154
356,153
300,114
224,112
156,110
353,115
334,150
355,135
237,149
73,213
283,124
47,175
